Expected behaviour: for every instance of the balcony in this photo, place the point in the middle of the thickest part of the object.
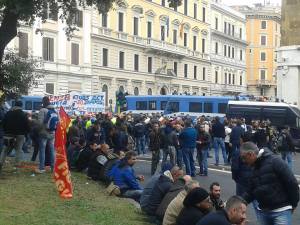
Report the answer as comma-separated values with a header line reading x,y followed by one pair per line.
x,y
262,83
236,36
228,88
122,36
105,31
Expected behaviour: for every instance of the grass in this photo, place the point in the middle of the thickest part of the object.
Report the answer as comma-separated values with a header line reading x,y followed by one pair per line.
x,y
33,200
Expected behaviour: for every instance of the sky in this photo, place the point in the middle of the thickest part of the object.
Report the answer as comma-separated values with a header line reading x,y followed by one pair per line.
x,y
249,2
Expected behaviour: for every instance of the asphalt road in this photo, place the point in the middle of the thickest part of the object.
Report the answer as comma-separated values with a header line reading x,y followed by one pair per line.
x,y
220,175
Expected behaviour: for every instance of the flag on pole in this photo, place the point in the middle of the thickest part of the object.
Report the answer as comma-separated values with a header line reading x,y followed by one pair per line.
x,y
62,176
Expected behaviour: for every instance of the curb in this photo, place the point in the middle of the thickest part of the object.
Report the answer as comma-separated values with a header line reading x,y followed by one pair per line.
x,y
211,166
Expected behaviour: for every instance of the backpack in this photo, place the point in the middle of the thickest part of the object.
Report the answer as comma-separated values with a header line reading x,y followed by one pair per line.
x,y
51,120
282,143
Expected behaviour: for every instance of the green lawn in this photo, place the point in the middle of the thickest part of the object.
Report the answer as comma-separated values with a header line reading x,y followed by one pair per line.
x,y
27,200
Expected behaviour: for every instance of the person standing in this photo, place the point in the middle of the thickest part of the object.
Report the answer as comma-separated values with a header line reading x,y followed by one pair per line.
x,y
154,146
170,142
286,146
272,184
15,126
188,138
218,133
203,141
139,134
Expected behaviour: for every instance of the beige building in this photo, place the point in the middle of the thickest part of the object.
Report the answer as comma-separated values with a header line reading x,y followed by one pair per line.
x,y
263,37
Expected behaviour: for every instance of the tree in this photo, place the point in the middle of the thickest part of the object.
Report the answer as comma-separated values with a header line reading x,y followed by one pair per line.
x,y
19,74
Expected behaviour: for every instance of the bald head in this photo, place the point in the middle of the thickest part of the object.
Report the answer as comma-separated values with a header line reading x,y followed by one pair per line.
x,y
176,173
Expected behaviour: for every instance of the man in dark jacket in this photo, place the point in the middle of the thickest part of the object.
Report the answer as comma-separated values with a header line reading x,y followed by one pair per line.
x,y
187,139
235,137
161,188
218,133
139,131
170,143
95,133
154,146
203,142
272,184
16,126
215,196
85,155
286,147
234,213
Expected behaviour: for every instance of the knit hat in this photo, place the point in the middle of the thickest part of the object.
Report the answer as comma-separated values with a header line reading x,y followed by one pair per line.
x,y
194,197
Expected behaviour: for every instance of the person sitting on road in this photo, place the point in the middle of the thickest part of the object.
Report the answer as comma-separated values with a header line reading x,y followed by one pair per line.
x,y
215,196
196,206
233,213
161,188
175,189
124,177
150,185
176,205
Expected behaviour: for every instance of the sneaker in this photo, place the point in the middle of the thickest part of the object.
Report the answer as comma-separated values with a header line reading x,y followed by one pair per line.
x,y
40,171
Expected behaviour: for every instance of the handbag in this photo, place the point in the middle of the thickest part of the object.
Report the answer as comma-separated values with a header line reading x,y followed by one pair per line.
x,y
113,190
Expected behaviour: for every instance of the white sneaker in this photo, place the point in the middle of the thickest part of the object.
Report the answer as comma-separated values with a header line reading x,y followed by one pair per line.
x,y
40,171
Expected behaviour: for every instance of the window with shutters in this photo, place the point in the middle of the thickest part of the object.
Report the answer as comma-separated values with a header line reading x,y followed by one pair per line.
x,y
204,73
149,29
175,67
216,77
49,14
195,72
263,40
136,62
50,88
149,64
225,50
232,54
104,19
216,48
225,78
48,49
233,78
135,26
225,27
229,28
121,22
233,30
162,33
241,80
163,2
121,60
263,74
241,33
185,70
23,44
195,43
241,55
78,18
185,39
204,14
262,56
203,45
104,57
216,23
185,7
195,10
263,25
229,48
229,78
75,54
175,37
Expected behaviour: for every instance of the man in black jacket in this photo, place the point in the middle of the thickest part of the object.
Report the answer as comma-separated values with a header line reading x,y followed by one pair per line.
x,y
234,213
272,184
16,126
218,133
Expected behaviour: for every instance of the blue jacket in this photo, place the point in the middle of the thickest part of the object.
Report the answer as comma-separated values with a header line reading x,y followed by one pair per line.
x,y
188,137
124,178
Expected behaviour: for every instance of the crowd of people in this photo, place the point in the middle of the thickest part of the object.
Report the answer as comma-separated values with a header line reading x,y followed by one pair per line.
x,y
106,147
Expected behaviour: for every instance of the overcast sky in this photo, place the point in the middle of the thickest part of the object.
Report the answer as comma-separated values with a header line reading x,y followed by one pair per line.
x,y
249,2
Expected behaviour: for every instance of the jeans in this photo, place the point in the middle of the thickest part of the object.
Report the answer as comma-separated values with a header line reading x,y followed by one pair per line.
x,y
217,143
202,160
43,142
8,146
140,145
288,156
188,158
179,158
171,151
155,161
134,194
275,218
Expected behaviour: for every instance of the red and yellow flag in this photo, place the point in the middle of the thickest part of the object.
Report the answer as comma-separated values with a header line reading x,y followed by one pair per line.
x,y
62,175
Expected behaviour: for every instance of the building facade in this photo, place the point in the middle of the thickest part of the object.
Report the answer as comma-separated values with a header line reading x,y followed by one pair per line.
x,y
147,48
228,49
263,37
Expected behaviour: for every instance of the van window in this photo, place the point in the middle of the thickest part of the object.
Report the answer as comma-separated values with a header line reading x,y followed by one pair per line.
x,y
141,105
195,107
152,105
173,107
28,105
163,105
208,107
222,107
37,105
